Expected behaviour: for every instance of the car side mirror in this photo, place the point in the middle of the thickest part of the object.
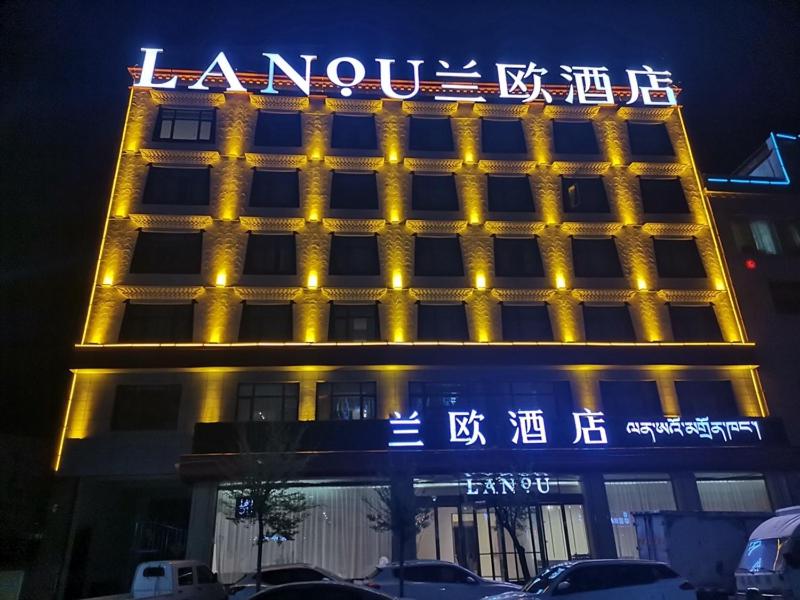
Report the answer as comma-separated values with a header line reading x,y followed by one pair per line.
x,y
563,587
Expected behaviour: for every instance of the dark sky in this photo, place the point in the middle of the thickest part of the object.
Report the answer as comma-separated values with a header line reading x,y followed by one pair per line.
x,y
63,84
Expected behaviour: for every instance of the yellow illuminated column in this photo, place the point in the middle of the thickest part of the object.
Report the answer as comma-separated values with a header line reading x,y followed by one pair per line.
x,y
466,131
586,388
212,397
665,381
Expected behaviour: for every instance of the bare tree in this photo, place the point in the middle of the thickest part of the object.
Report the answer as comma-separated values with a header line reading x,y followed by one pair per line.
x,y
512,519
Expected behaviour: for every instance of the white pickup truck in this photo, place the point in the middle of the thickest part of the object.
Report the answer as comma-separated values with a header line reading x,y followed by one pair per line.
x,y
173,580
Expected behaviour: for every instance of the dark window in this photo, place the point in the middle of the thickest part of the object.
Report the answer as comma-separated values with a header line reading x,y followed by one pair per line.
x,y
157,323
354,190
517,257
204,575
694,324
678,258
706,399
267,402
650,139
346,401
185,125
185,576
173,253
146,408
663,196
180,186
434,192
269,254
575,137
526,323
435,574
502,136
275,189
608,324
631,399
438,256
290,575
785,296
509,193
430,134
354,323
595,257
757,236
553,398
592,578
356,132
266,323
442,322
436,398
584,195
789,233
278,129
354,255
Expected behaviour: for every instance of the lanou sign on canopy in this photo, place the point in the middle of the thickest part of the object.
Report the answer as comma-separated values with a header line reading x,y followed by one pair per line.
x,y
523,82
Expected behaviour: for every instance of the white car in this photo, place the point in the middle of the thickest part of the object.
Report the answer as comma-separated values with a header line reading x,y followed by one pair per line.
x,y
278,575
434,580
605,580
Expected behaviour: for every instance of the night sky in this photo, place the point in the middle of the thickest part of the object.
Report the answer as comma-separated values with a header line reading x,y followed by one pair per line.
x,y
64,90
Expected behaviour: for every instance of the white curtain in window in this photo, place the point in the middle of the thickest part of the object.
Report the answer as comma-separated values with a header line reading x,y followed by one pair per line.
x,y
336,536
738,495
764,237
626,497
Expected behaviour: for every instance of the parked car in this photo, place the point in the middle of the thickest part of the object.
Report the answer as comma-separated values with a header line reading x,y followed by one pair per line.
x,y
605,580
173,579
321,590
274,575
434,580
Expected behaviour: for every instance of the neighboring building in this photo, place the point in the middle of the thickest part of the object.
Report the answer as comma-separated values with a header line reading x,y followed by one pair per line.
x,y
757,210
330,262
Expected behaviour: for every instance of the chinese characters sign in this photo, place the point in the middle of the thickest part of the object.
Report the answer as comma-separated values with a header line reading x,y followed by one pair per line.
x,y
464,81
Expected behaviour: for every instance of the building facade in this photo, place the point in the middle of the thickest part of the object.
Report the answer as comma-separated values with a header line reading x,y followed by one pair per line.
x,y
475,304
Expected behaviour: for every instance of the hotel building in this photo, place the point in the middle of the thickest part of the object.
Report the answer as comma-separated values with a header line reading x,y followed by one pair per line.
x,y
329,262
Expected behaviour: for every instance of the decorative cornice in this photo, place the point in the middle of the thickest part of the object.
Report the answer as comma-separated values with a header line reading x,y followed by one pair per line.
x,y
676,229
432,109
514,227
420,226
584,228
272,223
152,221
154,292
445,165
593,295
484,109
698,296
666,169
571,167
179,157
440,294
510,167
651,113
557,111
338,294
354,225
287,103
284,294
523,295
186,98
277,161
353,106
354,163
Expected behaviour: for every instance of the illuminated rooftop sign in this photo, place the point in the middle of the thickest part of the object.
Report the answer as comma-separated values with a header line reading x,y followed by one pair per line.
x,y
522,82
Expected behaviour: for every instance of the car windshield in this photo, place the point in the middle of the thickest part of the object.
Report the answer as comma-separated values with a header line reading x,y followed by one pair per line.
x,y
762,556
543,580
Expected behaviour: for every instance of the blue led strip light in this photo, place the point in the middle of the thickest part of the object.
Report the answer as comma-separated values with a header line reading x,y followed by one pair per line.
x,y
763,180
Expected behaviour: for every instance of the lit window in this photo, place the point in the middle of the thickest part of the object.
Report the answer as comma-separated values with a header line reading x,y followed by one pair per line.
x,y
694,323
649,139
595,257
765,238
517,257
575,137
502,136
430,134
278,129
510,193
266,323
608,323
442,322
354,132
273,402
354,190
346,401
354,255
275,189
354,323
434,192
184,125
584,195
167,252
157,323
678,258
526,323
146,408
438,256
270,254
174,185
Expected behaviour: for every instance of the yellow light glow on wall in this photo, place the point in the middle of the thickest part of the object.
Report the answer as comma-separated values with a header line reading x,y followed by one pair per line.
x,y
480,281
398,335
313,215
641,284
397,280
315,155
393,156
221,279
311,335
474,218
394,216
561,282
483,336
469,157
719,285
108,278
313,281
212,398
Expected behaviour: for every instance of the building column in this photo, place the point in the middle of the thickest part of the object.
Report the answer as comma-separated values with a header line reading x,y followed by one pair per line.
x,y
598,516
202,520
403,510
687,496
780,494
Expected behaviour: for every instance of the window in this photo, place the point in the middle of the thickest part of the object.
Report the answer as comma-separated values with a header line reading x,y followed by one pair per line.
x,y
608,324
354,255
266,323
291,575
663,196
275,189
435,574
553,398
346,401
434,192
278,129
678,258
584,195
785,296
442,322
438,256
179,186
628,494
204,575
173,253
267,402
733,494
575,137
630,399
185,576
354,323
436,398
790,237
270,254
502,136
757,235
595,257
355,132
430,134
146,408
649,139
517,257
526,323
184,125
694,323
713,399
157,323
510,193
354,190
